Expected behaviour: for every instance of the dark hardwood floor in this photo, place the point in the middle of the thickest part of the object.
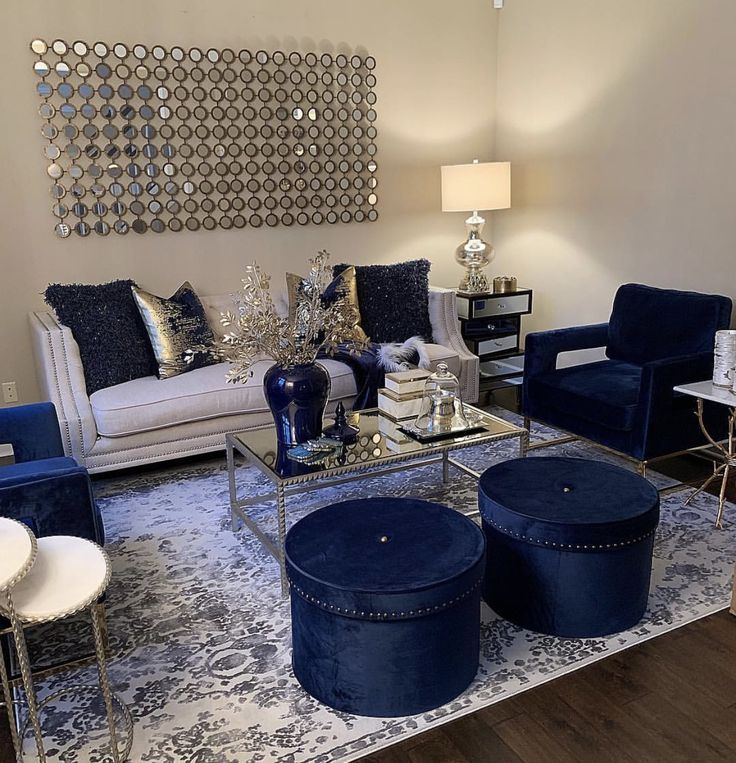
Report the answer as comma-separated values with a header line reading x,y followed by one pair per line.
x,y
671,699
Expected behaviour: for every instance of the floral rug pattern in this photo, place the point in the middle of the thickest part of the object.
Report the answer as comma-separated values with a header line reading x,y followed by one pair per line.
x,y
201,636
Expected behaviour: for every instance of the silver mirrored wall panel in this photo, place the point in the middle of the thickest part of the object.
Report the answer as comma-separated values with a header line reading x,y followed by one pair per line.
x,y
170,139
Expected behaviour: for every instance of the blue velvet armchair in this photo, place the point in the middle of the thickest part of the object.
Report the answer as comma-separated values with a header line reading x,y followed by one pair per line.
x,y
655,339
49,492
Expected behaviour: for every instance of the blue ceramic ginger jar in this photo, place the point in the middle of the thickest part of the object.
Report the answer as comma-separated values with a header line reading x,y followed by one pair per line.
x,y
297,396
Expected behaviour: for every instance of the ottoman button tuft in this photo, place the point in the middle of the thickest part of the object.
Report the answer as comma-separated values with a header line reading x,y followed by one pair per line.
x,y
384,539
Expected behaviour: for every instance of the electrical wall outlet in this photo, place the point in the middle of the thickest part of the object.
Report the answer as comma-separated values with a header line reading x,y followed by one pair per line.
x,y
10,392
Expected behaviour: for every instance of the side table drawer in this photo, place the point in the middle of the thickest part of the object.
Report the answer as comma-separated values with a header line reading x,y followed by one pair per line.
x,y
493,345
485,328
493,305
507,367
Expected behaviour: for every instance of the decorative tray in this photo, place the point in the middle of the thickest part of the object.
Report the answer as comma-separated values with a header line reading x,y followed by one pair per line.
x,y
422,436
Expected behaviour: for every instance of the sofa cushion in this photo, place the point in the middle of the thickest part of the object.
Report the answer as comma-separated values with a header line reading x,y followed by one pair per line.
x,y
650,324
108,328
394,300
146,404
217,304
606,392
175,327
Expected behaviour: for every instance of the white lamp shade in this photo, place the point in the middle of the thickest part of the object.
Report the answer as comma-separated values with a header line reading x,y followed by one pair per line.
x,y
475,187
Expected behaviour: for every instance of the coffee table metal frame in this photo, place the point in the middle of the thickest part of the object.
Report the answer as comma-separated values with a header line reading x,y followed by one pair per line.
x,y
389,463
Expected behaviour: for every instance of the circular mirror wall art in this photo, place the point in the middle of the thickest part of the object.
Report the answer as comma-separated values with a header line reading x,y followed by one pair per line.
x,y
241,131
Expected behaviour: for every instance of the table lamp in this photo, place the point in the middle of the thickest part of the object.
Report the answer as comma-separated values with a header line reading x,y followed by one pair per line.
x,y
469,188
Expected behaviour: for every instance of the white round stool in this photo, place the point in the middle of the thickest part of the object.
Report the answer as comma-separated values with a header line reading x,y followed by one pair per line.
x,y
68,576
18,552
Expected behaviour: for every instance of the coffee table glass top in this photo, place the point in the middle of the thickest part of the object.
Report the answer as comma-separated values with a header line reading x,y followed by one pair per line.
x,y
379,442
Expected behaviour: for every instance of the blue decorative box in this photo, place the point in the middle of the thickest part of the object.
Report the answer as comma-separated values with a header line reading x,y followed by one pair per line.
x,y
385,602
569,544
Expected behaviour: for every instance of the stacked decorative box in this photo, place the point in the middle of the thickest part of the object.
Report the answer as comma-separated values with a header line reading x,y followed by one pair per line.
x,y
400,401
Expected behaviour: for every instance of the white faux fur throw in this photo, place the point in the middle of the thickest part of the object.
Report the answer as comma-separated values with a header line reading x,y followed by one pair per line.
x,y
396,356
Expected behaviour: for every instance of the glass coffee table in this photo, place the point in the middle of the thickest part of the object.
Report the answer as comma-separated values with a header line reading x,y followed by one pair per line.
x,y
381,448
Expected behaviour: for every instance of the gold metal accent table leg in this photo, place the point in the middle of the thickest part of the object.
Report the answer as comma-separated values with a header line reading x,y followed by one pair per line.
x,y
8,699
281,507
727,455
104,681
26,677
733,594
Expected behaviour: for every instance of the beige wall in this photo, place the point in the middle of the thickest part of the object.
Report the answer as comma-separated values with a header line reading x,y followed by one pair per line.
x,y
619,118
436,80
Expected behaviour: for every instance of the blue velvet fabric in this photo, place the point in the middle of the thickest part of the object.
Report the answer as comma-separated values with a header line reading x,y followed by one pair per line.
x,y
385,604
627,403
569,544
32,430
651,324
606,392
47,491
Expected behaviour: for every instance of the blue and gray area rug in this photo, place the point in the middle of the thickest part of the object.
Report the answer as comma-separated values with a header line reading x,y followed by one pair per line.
x,y
201,635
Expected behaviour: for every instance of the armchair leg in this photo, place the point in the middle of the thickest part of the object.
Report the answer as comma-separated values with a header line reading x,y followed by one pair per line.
x,y
641,467
545,443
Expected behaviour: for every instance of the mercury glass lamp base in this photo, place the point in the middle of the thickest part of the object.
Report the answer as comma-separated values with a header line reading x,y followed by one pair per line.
x,y
475,282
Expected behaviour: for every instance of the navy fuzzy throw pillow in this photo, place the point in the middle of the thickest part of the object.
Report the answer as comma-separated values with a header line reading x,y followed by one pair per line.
x,y
394,300
108,328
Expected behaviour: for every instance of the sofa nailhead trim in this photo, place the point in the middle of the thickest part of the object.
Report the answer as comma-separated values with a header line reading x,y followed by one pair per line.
x,y
575,546
382,615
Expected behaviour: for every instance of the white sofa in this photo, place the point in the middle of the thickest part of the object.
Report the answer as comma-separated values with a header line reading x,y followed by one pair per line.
x,y
149,419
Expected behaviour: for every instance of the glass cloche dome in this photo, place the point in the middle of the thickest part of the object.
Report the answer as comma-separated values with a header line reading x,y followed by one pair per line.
x,y
442,406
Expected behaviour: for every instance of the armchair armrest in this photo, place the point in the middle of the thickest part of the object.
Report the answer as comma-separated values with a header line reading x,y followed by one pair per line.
x,y
543,347
32,431
660,376
61,378
657,407
446,331
58,502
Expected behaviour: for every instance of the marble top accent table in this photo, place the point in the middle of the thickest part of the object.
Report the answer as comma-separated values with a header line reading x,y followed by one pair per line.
x,y
703,391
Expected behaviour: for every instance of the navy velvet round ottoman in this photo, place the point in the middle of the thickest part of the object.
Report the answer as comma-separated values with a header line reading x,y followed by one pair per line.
x,y
385,604
569,544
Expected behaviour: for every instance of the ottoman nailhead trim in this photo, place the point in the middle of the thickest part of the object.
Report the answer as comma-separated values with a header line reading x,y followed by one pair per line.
x,y
382,615
586,547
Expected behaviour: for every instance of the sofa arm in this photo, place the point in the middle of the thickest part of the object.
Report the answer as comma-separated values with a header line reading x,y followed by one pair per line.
x,y
52,503
543,347
32,430
446,331
61,378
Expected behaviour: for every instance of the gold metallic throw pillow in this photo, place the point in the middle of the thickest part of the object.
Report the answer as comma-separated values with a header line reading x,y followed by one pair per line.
x,y
174,325
344,285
